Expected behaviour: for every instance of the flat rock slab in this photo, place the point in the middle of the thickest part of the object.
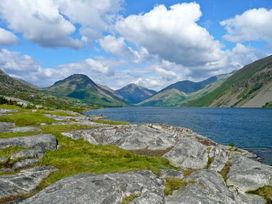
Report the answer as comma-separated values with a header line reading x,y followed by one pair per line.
x,y
248,175
6,126
45,141
207,186
131,137
24,182
102,189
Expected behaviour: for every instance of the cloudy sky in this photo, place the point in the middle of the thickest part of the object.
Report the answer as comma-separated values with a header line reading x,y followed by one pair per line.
x,y
115,42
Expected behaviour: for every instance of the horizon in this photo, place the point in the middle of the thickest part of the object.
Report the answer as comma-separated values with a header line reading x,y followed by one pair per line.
x,y
49,40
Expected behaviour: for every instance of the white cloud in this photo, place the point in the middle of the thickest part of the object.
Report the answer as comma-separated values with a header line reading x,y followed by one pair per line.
x,y
51,23
7,37
173,34
252,25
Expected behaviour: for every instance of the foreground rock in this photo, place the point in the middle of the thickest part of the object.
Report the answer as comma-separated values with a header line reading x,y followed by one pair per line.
x,y
10,127
144,186
24,182
45,141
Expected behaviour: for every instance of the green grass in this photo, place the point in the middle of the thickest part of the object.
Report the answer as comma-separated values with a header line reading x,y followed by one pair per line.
x,y
110,122
10,150
18,134
27,118
172,184
224,172
78,156
130,198
11,107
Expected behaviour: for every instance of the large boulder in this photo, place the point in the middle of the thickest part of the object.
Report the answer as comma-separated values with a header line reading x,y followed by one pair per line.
x,y
45,141
23,182
144,186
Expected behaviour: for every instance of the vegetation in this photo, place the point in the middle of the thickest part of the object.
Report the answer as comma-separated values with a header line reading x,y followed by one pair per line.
x,y
110,122
173,184
130,198
265,192
224,172
10,150
268,105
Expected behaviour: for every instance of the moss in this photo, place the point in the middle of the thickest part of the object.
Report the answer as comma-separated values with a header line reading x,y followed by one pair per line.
x,y
210,160
172,184
130,198
26,118
265,192
224,172
11,107
78,156
18,134
110,122
187,172
10,150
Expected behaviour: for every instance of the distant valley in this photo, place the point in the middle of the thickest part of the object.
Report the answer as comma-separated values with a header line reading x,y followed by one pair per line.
x,y
250,86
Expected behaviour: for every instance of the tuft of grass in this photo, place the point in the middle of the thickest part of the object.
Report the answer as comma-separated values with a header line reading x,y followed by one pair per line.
x,y
10,150
26,118
265,192
11,107
172,184
110,122
130,198
79,156
224,172
18,134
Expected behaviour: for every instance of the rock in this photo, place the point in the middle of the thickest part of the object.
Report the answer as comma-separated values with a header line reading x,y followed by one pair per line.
x,y
6,126
3,160
171,173
37,152
24,129
203,186
6,111
23,182
219,157
24,163
98,189
248,175
188,153
131,137
47,142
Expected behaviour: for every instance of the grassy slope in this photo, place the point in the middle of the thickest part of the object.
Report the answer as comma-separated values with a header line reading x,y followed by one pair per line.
x,y
237,78
78,156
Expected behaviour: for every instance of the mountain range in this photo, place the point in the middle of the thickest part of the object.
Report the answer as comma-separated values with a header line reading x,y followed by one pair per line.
x,y
250,86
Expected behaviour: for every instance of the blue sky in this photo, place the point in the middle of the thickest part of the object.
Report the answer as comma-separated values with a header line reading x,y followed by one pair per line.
x,y
115,42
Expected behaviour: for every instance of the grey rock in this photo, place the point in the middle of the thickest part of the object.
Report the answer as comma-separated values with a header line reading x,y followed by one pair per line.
x,y
46,141
131,137
6,126
24,129
23,182
171,173
219,158
204,187
248,175
102,189
37,152
24,163
188,153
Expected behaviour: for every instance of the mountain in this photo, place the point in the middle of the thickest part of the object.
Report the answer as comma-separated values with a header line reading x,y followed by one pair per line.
x,y
134,94
190,86
250,86
182,92
17,88
81,87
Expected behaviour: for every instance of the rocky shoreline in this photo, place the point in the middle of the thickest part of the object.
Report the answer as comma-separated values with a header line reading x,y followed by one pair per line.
x,y
206,172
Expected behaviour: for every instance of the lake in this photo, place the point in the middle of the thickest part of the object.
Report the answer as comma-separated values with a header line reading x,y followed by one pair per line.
x,y
243,127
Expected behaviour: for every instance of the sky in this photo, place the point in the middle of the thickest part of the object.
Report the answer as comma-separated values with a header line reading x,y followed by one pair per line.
x,y
151,43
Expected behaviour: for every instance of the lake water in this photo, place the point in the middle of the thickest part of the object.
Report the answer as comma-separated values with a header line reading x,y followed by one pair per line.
x,y
246,128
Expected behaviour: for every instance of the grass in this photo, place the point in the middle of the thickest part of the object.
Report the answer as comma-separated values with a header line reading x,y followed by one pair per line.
x,y
130,198
265,192
18,134
10,150
224,172
7,106
110,122
172,184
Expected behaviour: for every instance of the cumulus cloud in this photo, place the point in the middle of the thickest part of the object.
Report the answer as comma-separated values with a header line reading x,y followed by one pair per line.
x,y
252,25
51,23
173,34
7,37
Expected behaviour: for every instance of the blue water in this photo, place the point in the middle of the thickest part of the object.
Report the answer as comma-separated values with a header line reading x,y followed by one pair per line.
x,y
246,128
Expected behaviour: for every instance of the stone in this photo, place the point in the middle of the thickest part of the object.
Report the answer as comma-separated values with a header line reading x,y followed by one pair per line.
x,y
219,157
248,175
45,141
23,182
6,126
171,173
37,152
204,186
188,153
102,189
24,163
24,129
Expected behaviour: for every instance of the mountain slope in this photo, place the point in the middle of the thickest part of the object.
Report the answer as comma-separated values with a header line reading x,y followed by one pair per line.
x,y
190,86
134,94
251,86
81,87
